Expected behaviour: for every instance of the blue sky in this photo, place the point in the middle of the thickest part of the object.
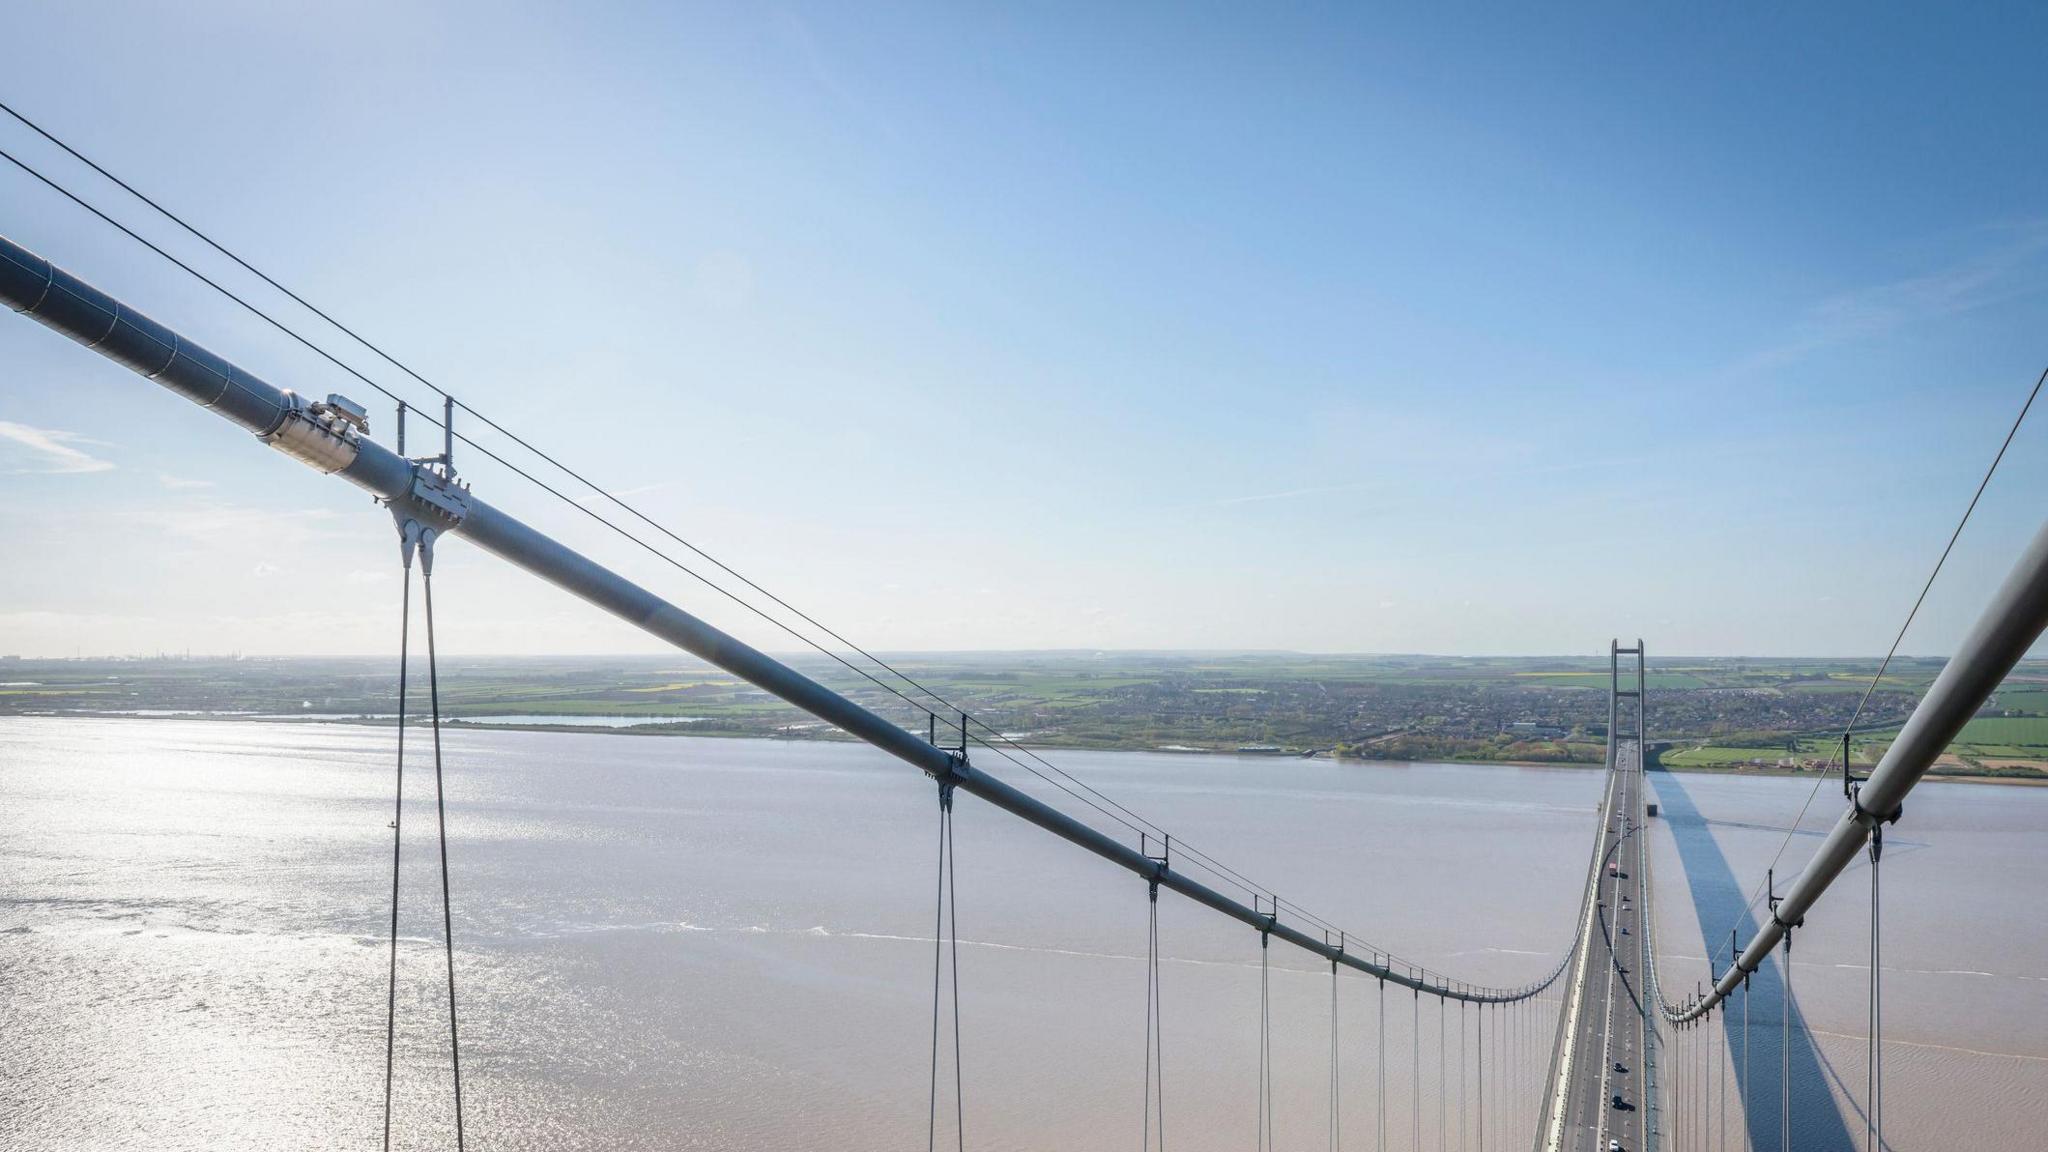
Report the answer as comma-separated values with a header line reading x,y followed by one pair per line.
x,y
1437,329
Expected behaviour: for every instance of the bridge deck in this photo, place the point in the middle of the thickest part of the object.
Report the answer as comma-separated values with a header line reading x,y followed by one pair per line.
x,y
1606,1082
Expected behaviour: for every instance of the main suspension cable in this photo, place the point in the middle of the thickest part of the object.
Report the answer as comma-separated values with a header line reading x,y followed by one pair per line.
x,y
596,488
566,499
556,463
1927,585
388,358
996,740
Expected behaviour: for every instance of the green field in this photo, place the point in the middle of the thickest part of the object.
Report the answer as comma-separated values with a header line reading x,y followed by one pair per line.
x,y
1741,715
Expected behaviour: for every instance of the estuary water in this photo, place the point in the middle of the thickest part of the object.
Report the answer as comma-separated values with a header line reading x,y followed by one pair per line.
x,y
704,943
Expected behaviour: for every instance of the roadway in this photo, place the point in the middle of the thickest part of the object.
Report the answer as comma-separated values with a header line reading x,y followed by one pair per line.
x,y
1605,1101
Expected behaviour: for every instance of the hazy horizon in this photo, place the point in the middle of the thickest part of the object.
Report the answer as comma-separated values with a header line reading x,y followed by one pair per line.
x,y
800,655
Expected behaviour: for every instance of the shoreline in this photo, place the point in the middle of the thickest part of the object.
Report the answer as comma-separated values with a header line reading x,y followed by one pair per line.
x,y
671,729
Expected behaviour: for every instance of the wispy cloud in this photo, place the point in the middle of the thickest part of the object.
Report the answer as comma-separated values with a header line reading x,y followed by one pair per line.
x,y
217,524
170,481
622,494
2000,273
52,451
1485,474
798,31
1291,494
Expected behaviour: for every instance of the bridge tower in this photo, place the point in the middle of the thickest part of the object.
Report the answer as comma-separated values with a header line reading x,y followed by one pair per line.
x,y
1616,693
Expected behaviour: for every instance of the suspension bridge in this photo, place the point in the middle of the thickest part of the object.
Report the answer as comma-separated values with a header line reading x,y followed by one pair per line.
x,y
1592,1054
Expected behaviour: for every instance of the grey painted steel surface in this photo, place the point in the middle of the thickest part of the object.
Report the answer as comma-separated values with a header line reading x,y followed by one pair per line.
x,y
55,298
2008,627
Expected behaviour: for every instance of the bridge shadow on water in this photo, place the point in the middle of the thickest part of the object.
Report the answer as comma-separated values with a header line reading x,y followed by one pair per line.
x,y
1719,902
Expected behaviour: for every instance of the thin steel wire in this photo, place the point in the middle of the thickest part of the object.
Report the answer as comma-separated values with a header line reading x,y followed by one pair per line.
x,y
553,461
946,930
953,942
1873,1136
397,843
523,474
1051,773
441,818
1381,1107
1785,1057
1336,1132
938,968
946,705
1155,1045
1265,1046
2011,432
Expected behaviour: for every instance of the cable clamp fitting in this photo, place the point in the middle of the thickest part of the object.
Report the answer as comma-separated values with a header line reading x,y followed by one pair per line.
x,y
1865,816
1164,860
439,497
1161,863
409,533
319,433
1771,886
